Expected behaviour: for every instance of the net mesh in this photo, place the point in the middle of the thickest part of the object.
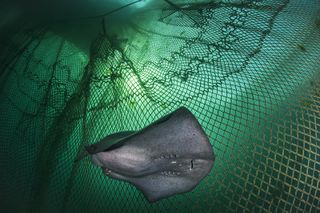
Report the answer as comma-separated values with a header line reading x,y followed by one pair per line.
x,y
248,70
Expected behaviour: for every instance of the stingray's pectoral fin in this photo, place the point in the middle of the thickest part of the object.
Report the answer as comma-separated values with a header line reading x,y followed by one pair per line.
x,y
156,187
165,184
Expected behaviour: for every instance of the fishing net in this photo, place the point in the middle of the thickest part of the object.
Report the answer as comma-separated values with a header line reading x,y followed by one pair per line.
x,y
248,70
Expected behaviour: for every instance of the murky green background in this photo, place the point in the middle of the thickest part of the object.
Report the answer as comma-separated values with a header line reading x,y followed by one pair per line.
x,y
248,70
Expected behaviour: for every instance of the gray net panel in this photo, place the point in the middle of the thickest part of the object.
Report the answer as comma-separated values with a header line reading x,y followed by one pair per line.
x,y
248,70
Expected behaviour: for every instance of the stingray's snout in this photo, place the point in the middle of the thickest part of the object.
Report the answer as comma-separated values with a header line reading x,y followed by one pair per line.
x,y
96,160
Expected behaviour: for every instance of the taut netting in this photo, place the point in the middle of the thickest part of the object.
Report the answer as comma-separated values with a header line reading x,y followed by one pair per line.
x,y
248,70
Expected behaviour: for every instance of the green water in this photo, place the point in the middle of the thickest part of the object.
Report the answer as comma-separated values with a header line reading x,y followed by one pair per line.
x,y
248,71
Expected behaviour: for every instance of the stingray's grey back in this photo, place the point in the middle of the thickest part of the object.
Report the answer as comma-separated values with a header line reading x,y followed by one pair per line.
x,y
169,157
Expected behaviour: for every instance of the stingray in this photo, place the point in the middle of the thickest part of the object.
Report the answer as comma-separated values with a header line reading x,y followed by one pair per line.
x,y
170,156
